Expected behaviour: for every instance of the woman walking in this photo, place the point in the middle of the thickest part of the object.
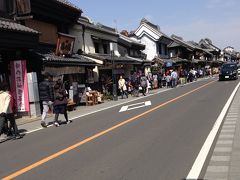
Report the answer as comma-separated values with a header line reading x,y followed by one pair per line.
x,y
60,102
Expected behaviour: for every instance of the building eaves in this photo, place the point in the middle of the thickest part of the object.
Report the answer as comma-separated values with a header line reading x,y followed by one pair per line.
x,y
184,43
117,59
69,4
97,28
198,47
10,25
156,31
131,41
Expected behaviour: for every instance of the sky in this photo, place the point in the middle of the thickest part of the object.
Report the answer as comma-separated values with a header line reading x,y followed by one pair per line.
x,y
218,20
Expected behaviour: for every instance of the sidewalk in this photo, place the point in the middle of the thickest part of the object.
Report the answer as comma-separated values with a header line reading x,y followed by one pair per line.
x,y
29,125
225,160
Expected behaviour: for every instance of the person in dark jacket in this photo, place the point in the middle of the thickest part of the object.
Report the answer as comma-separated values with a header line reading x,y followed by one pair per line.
x,y
46,96
60,102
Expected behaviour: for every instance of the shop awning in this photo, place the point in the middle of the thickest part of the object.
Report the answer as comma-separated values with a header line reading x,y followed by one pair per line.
x,y
180,60
98,61
57,71
169,62
198,61
117,59
74,60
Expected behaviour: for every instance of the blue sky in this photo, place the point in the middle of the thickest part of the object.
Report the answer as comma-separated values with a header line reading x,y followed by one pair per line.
x,y
218,20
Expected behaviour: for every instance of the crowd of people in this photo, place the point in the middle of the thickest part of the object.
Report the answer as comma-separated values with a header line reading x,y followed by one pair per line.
x,y
54,96
171,78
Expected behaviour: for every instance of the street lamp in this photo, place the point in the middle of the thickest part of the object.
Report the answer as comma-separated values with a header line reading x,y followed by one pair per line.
x,y
115,96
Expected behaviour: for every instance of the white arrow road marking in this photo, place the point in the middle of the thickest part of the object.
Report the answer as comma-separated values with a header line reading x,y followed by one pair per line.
x,y
135,106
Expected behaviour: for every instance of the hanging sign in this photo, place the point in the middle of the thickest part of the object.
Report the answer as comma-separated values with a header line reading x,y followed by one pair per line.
x,y
19,86
64,45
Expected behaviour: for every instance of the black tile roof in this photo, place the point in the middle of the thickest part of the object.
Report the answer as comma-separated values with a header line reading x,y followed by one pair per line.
x,y
6,24
75,59
99,27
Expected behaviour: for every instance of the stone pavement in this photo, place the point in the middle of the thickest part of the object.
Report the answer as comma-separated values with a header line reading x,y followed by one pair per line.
x,y
225,160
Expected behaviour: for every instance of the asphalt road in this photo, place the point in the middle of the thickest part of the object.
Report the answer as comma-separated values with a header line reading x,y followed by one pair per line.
x,y
159,141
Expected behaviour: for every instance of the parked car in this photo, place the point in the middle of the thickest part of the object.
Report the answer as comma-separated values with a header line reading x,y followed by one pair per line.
x,y
228,71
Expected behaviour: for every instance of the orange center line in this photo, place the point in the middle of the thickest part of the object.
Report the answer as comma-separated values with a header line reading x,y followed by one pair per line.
x,y
59,153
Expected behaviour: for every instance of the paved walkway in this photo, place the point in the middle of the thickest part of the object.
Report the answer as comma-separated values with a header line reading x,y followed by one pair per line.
x,y
30,125
225,160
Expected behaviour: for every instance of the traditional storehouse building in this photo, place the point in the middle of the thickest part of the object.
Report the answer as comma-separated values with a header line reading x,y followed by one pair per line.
x,y
188,53
53,19
15,42
217,54
155,41
101,43
132,50
229,54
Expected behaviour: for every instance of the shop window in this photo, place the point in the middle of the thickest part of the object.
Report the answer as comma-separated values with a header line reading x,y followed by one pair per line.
x,y
160,48
105,48
165,49
96,46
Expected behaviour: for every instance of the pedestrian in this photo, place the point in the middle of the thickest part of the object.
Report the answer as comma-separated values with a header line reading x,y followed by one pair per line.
x,y
143,83
135,84
159,78
46,96
168,80
6,112
148,86
122,86
130,87
174,78
60,102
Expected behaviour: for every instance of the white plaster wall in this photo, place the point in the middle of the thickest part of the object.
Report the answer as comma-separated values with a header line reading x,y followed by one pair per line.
x,y
150,47
76,31
89,46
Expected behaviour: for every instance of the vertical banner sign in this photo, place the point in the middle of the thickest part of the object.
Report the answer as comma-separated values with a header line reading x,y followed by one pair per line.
x,y
20,86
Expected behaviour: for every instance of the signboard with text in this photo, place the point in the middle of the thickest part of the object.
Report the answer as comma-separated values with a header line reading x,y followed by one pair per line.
x,y
64,45
19,86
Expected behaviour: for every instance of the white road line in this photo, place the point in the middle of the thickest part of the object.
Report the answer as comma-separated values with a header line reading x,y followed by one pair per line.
x,y
124,108
135,106
201,158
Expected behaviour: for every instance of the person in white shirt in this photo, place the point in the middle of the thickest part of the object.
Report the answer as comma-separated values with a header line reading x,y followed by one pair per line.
x,y
122,86
174,78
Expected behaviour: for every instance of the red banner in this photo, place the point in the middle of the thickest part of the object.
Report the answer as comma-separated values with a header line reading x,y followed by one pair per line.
x,y
19,86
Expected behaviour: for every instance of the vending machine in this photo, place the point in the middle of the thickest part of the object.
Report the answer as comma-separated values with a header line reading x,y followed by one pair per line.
x,y
33,94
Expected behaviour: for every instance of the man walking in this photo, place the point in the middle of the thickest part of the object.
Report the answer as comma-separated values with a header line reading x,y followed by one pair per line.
x,y
46,95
